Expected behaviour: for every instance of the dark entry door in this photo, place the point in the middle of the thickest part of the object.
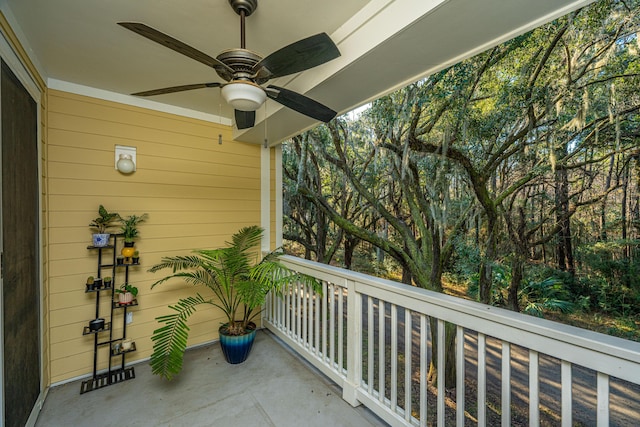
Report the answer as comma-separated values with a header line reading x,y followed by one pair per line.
x,y
20,261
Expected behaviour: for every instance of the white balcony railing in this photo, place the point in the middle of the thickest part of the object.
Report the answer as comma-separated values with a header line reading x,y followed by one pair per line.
x,y
373,337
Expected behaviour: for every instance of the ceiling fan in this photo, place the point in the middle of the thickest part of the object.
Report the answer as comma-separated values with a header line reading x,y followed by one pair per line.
x,y
245,71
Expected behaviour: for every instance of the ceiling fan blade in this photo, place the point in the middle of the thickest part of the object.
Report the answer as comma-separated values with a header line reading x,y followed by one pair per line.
x,y
173,89
299,56
300,103
180,47
245,119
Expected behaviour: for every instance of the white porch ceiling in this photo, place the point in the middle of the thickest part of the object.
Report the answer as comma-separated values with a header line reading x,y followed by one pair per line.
x,y
385,44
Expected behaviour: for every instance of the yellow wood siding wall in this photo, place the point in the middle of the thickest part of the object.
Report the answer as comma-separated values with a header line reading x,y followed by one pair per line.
x,y
196,192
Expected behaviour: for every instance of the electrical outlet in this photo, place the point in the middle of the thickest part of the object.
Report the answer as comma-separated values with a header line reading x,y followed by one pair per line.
x,y
129,317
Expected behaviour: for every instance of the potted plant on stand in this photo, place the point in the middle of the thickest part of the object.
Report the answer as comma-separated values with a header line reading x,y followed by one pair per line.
x,y
130,232
237,285
126,294
102,224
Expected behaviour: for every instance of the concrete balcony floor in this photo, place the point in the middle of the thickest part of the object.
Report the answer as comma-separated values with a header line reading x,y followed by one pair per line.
x,y
274,387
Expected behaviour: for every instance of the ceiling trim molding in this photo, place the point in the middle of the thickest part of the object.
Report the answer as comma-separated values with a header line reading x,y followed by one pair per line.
x,y
135,101
18,49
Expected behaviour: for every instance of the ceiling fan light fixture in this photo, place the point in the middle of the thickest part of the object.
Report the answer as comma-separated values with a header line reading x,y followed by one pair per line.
x,y
244,96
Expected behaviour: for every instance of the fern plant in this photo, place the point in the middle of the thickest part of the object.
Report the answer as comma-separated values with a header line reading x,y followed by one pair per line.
x,y
238,286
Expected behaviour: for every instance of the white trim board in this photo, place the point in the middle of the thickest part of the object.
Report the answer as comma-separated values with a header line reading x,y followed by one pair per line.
x,y
134,101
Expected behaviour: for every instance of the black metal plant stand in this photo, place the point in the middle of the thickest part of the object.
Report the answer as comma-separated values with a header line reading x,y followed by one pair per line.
x,y
118,371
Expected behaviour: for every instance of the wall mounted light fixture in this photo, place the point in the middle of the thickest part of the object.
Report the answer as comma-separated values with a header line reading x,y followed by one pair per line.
x,y
125,159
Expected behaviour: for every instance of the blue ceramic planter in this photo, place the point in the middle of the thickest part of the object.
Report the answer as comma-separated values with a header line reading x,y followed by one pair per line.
x,y
236,348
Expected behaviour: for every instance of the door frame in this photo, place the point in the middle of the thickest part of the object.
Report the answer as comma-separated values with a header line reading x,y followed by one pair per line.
x,y
10,57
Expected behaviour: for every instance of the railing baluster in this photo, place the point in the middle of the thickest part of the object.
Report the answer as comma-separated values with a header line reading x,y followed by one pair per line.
x,y
394,357
275,301
325,295
299,312
408,328
282,310
287,308
289,314
460,385
310,316
332,325
381,349
506,384
423,370
567,382
317,309
303,314
441,372
370,344
341,329
534,389
603,399
482,380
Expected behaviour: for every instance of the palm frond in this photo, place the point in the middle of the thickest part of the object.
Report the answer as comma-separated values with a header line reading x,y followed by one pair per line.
x,y
176,263
170,340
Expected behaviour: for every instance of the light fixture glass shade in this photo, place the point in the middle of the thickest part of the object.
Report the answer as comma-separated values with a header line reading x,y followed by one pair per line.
x,y
244,96
125,164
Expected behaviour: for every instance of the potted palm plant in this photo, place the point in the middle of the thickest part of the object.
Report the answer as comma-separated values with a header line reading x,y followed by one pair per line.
x,y
101,225
236,284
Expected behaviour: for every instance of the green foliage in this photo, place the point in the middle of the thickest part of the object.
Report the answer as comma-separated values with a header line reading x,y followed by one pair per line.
x,y
465,260
130,226
239,286
535,296
611,280
549,294
105,221
608,260
170,340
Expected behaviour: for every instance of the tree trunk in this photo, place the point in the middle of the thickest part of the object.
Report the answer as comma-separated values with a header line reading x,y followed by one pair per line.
x,y
449,354
350,244
623,211
486,271
603,203
565,247
517,274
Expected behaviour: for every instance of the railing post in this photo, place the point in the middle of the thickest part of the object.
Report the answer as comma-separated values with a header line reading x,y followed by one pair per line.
x,y
354,345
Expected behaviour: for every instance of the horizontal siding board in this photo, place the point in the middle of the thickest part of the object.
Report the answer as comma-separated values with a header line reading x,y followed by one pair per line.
x,y
89,202
78,222
58,186
63,158
97,175
133,134
71,144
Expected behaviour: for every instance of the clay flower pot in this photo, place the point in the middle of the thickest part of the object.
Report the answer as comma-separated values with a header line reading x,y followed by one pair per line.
x,y
125,297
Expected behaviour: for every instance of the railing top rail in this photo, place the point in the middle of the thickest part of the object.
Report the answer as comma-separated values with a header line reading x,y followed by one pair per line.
x,y
542,335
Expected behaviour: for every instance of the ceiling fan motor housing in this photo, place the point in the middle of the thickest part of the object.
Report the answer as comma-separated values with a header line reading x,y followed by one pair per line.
x,y
242,62
249,6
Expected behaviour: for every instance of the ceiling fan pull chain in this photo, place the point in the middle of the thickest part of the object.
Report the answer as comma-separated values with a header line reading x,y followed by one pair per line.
x,y
266,141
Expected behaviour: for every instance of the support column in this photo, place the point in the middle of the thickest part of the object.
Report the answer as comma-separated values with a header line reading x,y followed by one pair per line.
x,y
265,197
354,345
